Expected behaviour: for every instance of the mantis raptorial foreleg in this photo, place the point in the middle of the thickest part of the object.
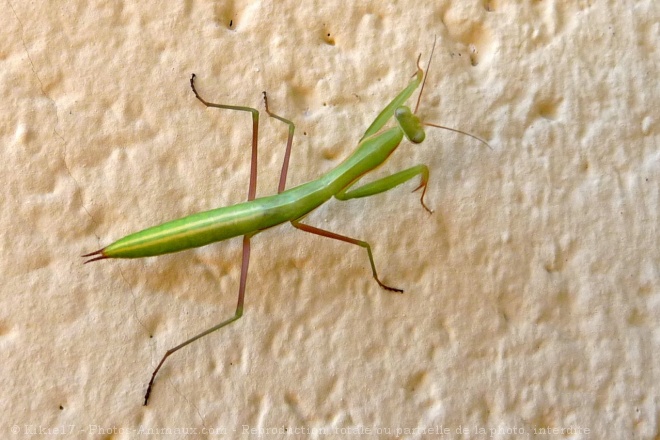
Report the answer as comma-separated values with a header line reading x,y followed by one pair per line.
x,y
387,183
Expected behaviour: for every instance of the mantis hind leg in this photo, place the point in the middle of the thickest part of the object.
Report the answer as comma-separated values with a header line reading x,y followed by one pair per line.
x,y
237,315
364,244
289,142
246,239
252,191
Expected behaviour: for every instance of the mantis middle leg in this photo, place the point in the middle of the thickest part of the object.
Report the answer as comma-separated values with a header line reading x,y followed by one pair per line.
x,y
406,175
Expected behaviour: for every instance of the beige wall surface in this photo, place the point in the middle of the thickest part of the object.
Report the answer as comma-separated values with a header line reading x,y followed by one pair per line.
x,y
532,293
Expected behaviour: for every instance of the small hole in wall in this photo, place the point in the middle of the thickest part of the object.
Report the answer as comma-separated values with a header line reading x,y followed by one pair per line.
x,y
549,108
490,5
474,53
329,39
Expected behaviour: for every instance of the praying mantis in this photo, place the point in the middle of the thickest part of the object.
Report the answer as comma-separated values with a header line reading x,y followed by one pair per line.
x,y
289,205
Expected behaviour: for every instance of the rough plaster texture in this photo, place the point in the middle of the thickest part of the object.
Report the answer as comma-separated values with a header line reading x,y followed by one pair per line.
x,y
532,294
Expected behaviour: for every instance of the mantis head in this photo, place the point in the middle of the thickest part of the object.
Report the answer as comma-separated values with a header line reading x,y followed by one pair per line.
x,y
410,124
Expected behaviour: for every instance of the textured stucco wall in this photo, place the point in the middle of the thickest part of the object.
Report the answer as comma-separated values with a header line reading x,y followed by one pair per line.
x,y
532,293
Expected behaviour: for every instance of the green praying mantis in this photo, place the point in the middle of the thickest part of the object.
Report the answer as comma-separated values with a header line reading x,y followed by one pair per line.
x,y
288,205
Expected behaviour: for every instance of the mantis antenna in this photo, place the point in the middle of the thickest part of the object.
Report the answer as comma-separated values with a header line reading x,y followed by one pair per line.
x,y
419,99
